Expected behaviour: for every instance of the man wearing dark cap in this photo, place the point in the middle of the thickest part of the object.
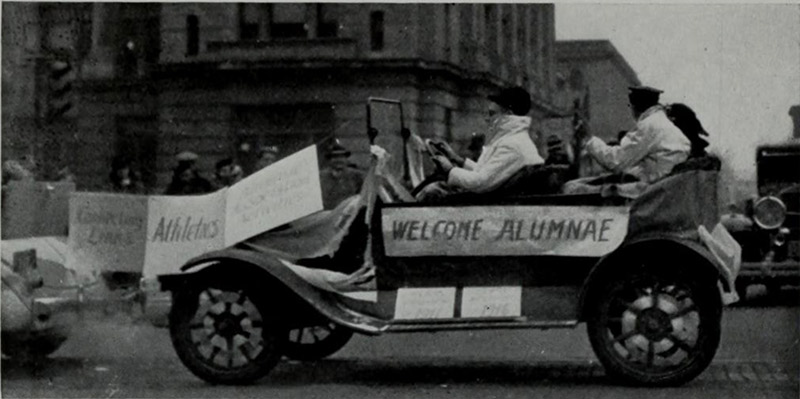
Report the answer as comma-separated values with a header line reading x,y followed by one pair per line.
x,y
651,150
339,180
508,149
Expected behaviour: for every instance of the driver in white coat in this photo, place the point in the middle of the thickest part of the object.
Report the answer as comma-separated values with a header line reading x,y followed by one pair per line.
x,y
509,148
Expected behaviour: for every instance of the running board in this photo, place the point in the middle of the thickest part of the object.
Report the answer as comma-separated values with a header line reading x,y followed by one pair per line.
x,y
416,326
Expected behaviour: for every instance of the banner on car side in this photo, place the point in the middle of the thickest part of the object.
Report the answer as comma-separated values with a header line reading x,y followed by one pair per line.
x,y
589,231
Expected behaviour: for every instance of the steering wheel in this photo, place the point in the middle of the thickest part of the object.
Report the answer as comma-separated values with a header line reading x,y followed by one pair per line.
x,y
437,175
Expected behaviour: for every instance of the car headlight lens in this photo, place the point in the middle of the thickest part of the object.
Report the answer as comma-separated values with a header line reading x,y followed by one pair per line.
x,y
769,212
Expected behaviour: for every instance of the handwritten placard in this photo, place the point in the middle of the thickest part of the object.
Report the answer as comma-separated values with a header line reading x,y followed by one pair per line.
x,y
503,230
107,231
180,228
156,235
491,301
425,303
275,195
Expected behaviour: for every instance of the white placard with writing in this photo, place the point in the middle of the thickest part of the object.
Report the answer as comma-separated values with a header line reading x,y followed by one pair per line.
x,y
157,234
503,230
491,301
286,190
425,303
180,228
106,232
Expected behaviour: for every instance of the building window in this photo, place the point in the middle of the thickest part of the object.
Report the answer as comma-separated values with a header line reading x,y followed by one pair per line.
x,y
249,21
192,35
490,26
288,20
259,21
508,33
447,25
376,30
327,26
138,38
522,49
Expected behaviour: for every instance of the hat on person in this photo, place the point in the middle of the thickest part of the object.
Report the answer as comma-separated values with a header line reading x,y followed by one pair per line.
x,y
337,150
644,94
516,99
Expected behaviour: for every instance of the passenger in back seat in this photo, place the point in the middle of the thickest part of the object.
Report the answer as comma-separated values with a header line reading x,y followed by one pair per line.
x,y
651,150
509,148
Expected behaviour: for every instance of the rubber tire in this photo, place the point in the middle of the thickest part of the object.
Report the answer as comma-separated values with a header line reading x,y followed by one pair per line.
x,y
338,338
26,347
710,308
183,310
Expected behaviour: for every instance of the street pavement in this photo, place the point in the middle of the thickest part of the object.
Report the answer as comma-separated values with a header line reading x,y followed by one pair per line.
x,y
759,357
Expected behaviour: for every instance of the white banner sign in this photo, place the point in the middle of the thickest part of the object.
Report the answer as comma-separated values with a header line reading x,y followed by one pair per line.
x,y
285,191
107,232
503,230
180,228
158,234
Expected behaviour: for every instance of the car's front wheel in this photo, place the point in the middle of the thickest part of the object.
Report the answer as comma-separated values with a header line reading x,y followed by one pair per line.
x,y
224,333
655,326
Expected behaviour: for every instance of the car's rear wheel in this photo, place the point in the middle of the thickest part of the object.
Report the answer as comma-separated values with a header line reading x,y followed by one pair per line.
x,y
316,342
224,333
655,326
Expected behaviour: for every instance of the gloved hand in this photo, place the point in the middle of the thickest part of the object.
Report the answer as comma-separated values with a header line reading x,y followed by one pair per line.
x,y
448,152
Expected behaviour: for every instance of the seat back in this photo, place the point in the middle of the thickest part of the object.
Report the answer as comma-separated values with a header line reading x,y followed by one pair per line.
x,y
534,180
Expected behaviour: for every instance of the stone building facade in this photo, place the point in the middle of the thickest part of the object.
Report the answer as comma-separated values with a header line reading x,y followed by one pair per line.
x,y
597,76
151,79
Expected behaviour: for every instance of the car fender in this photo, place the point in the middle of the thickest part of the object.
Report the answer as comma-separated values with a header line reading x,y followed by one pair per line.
x,y
325,302
675,245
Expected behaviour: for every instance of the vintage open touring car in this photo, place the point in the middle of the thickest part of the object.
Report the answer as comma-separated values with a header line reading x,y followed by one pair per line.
x,y
649,275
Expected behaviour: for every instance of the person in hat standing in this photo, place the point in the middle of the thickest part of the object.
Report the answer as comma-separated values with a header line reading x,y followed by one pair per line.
x,y
339,180
508,149
186,180
650,150
267,155
227,173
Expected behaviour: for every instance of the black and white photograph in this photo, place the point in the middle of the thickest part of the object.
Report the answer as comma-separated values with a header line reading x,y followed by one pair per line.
x,y
400,200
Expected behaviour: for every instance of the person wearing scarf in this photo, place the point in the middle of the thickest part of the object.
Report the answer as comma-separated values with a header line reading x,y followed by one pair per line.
x,y
509,148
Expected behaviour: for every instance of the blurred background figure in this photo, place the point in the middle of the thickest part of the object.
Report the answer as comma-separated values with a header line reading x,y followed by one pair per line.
x,y
186,180
267,155
227,173
339,180
14,170
556,153
124,179
65,175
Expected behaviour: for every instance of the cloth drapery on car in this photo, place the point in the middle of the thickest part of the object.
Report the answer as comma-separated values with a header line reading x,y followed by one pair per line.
x,y
685,205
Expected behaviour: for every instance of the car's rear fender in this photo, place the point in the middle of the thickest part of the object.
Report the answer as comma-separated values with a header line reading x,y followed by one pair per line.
x,y
286,285
680,252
